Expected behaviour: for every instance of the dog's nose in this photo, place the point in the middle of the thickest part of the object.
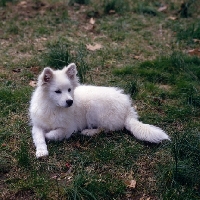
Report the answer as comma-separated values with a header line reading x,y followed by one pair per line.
x,y
69,102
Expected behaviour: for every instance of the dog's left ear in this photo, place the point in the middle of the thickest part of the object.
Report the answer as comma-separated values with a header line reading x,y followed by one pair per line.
x,y
71,71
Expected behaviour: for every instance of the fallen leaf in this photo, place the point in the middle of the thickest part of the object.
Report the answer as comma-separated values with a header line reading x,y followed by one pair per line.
x,y
112,12
162,8
196,40
136,57
92,21
194,52
164,87
172,18
132,184
54,177
33,83
22,3
93,47
35,70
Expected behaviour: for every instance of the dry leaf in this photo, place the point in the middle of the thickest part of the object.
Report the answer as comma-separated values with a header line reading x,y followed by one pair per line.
x,y
35,69
164,87
93,47
112,12
194,52
172,18
22,3
33,83
162,8
54,177
136,57
196,40
132,184
92,21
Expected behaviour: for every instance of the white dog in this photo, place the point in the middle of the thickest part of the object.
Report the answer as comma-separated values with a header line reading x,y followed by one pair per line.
x,y
60,107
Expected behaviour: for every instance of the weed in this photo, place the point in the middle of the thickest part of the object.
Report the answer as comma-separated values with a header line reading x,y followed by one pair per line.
x,y
123,71
118,6
183,175
132,87
42,31
57,55
13,29
81,63
83,2
5,162
91,186
23,155
189,33
3,2
143,8
185,8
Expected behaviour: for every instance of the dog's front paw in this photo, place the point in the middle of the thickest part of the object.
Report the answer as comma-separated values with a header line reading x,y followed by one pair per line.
x,y
41,153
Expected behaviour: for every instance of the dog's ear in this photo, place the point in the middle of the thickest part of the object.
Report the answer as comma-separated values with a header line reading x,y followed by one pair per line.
x,y
46,76
71,71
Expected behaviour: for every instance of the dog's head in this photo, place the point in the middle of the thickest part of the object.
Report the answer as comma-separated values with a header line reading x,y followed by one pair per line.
x,y
59,85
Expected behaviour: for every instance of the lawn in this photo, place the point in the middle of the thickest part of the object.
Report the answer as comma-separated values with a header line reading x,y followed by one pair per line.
x,y
148,48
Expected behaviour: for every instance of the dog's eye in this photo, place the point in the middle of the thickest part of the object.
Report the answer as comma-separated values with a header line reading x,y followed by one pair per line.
x,y
58,91
69,90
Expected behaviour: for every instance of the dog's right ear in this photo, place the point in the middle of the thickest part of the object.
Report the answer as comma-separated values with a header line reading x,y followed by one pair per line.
x,y
46,76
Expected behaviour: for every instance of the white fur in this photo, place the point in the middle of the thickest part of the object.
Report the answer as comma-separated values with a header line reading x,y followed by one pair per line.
x,y
94,109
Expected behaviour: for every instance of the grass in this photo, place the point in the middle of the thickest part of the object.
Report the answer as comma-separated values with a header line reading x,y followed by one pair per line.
x,y
58,55
144,8
189,33
144,52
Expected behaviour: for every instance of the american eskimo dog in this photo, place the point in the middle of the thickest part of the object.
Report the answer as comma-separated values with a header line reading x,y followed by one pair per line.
x,y
60,107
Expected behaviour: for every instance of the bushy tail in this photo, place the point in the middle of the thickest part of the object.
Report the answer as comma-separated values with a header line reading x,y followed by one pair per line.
x,y
145,132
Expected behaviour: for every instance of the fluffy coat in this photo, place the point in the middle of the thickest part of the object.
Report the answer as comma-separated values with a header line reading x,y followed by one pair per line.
x,y
60,107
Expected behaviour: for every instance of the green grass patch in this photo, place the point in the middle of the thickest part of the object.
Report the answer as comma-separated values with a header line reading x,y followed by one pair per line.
x,y
60,54
83,2
92,186
145,8
118,6
4,2
183,174
189,33
173,70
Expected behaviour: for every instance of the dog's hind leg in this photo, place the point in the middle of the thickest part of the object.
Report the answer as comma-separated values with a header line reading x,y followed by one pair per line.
x,y
144,132
90,132
57,134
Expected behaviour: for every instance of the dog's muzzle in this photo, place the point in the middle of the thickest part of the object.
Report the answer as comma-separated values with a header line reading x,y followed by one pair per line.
x,y
69,103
